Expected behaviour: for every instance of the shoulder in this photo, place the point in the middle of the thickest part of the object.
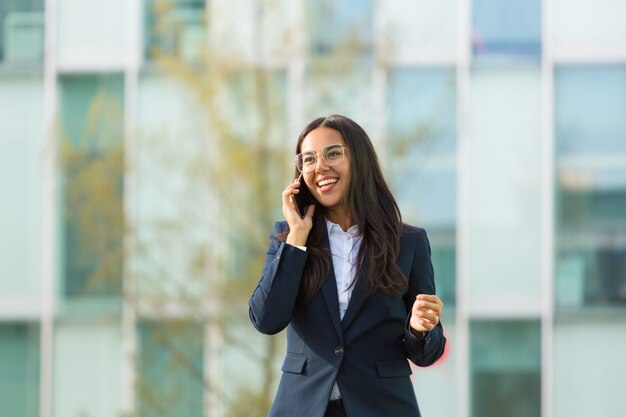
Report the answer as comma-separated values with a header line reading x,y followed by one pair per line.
x,y
412,231
414,237
280,231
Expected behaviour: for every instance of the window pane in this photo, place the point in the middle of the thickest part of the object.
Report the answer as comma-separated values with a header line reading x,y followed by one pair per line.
x,y
91,151
91,34
340,26
255,105
21,144
170,380
419,28
174,28
589,24
582,359
590,103
329,89
88,368
172,216
21,32
505,362
510,28
421,160
254,30
503,177
19,370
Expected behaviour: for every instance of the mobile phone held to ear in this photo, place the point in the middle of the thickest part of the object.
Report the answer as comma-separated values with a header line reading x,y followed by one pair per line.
x,y
294,199
302,199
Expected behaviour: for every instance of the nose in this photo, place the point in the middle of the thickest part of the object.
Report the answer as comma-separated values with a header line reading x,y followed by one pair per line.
x,y
320,164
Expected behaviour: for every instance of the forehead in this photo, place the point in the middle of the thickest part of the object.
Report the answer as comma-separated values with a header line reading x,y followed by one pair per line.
x,y
321,137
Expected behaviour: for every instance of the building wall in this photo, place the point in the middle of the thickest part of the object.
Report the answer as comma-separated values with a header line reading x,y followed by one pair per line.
x,y
501,127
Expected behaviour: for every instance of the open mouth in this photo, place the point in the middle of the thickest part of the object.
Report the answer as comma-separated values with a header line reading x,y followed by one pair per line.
x,y
327,184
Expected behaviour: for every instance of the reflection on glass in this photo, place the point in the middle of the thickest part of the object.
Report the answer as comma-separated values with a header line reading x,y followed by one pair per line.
x,y
174,28
92,158
421,160
170,374
506,28
590,103
19,370
505,368
21,32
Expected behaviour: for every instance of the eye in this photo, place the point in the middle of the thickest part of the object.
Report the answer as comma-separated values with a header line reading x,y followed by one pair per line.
x,y
308,159
334,153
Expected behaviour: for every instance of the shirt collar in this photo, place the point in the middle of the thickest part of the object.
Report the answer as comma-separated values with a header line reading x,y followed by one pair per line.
x,y
334,228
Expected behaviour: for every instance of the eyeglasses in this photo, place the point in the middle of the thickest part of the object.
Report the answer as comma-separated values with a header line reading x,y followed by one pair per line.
x,y
331,155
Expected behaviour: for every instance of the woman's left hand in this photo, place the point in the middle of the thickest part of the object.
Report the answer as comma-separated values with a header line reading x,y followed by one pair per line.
x,y
426,312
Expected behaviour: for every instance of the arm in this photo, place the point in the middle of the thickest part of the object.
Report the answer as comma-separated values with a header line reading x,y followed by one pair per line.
x,y
425,350
272,302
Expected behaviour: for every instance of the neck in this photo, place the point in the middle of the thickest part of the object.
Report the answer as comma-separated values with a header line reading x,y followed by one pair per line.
x,y
341,217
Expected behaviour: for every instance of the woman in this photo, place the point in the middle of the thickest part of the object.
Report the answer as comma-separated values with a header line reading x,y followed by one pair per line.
x,y
353,285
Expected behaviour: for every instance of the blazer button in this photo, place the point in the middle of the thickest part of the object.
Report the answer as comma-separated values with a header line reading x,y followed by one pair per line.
x,y
339,351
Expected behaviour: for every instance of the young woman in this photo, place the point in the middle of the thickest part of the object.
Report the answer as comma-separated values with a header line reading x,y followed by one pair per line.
x,y
353,285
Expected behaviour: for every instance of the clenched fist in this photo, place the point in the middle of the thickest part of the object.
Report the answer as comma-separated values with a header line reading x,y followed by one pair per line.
x,y
425,313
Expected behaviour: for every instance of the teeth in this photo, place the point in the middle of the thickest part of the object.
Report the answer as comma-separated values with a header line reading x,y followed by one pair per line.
x,y
326,182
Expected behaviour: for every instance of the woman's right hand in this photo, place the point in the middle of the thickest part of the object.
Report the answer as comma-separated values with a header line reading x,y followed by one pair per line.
x,y
299,227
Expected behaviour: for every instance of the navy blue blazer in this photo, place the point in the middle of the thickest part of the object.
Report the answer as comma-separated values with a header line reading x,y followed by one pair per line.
x,y
366,352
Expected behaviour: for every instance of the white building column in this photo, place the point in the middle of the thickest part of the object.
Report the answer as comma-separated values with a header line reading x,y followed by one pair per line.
x,y
547,211
463,68
49,175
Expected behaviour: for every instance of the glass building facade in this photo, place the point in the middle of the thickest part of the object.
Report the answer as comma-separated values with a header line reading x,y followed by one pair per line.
x,y
501,127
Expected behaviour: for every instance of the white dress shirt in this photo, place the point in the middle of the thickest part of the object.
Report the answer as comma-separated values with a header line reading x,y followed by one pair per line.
x,y
344,247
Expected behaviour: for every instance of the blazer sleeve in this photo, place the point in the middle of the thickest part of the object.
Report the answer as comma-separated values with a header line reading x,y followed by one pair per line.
x,y
272,302
427,350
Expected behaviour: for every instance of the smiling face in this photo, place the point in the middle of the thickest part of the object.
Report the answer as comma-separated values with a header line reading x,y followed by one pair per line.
x,y
328,184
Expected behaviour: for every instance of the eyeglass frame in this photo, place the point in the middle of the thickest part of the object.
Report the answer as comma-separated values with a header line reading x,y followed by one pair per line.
x,y
319,155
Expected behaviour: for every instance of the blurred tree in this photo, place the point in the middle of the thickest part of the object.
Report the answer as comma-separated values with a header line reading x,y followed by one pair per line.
x,y
93,170
195,265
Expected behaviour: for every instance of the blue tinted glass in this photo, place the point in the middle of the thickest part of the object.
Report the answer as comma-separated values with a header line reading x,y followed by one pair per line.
x,y
422,108
421,120
174,28
91,112
590,130
337,23
590,109
21,31
505,368
171,370
421,152
506,27
19,370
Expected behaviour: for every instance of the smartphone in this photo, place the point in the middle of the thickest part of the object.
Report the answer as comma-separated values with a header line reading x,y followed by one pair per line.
x,y
303,199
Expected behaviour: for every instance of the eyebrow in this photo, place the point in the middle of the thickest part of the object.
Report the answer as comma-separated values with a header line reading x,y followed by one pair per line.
x,y
323,147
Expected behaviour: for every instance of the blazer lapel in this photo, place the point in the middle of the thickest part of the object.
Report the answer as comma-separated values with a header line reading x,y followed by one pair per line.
x,y
359,294
329,292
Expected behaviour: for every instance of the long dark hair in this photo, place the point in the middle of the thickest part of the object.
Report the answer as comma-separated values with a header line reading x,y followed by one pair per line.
x,y
373,209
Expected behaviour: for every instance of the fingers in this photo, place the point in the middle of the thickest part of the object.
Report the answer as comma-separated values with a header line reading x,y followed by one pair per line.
x,y
299,226
289,204
292,188
430,298
426,312
431,302
421,324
